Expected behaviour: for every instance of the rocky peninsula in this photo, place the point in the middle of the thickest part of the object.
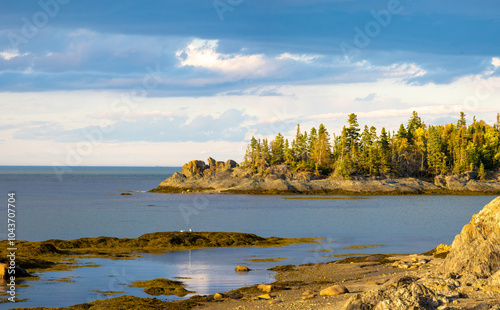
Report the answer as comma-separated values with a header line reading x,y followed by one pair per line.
x,y
229,178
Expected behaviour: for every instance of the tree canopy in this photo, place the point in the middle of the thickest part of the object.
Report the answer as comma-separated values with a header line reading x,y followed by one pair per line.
x,y
415,150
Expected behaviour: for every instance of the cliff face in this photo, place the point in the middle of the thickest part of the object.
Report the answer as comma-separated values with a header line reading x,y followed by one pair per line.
x,y
475,252
219,176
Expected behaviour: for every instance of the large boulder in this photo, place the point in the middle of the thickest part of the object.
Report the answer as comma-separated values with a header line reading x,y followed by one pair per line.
x,y
194,169
475,252
403,294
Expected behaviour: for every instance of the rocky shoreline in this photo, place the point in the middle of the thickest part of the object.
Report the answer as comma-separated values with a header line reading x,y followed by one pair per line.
x,y
468,277
463,276
219,177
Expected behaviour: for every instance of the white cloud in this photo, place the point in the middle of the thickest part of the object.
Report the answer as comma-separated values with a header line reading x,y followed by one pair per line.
x,y
298,57
203,54
397,70
261,111
495,61
9,54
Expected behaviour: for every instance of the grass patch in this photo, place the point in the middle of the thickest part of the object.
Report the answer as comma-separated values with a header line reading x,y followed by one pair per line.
x,y
365,246
263,260
162,286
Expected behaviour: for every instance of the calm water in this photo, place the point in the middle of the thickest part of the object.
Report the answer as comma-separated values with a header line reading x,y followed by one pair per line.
x,y
87,203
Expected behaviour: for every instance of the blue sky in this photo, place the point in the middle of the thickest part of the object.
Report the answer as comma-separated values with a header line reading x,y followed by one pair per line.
x,y
161,82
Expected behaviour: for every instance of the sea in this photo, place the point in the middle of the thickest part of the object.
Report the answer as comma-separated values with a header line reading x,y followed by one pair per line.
x,y
81,202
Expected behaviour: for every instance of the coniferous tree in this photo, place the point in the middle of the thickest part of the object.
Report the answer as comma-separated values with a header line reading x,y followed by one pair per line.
x,y
384,151
320,149
481,173
278,150
415,150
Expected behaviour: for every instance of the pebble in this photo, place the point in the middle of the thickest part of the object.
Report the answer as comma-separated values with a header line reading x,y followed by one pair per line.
x,y
308,297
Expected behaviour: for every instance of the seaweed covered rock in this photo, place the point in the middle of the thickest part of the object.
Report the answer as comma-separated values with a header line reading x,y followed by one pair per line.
x,y
162,286
19,272
475,252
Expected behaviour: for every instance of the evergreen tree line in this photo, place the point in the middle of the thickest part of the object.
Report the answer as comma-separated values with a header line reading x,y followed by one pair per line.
x,y
415,150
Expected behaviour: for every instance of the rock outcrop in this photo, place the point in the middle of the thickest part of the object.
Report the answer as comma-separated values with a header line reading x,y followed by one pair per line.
x,y
403,294
466,182
475,252
471,267
219,176
194,169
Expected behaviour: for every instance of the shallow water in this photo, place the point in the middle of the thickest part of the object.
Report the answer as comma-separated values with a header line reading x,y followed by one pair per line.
x,y
88,203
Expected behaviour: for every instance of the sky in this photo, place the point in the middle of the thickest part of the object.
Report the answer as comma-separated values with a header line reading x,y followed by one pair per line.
x,y
159,83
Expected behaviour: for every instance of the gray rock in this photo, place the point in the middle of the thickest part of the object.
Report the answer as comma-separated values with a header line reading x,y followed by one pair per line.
x,y
211,163
194,169
440,181
281,171
475,252
402,295
230,164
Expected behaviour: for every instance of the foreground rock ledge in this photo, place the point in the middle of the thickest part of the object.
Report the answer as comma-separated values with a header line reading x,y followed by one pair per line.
x,y
475,252
471,269
228,177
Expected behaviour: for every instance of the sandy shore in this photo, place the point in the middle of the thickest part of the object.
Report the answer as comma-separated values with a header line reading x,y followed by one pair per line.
x,y
299,287
302,285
